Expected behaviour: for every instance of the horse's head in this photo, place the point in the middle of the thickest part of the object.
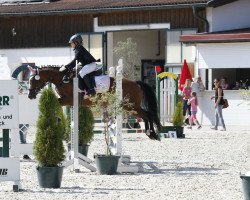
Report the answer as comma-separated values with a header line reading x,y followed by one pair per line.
x,y
36,82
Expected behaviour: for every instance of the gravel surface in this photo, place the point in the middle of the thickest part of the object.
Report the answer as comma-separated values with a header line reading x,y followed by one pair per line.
x,y
203,166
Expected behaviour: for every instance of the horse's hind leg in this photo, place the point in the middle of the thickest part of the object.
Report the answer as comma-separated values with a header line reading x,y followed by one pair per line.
x,y
153,134
142,114
147,131
149,125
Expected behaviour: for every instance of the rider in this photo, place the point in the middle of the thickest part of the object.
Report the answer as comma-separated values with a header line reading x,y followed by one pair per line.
x,y
86,59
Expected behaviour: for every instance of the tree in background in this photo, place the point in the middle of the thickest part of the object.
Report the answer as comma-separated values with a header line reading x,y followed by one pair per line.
x,y
127,51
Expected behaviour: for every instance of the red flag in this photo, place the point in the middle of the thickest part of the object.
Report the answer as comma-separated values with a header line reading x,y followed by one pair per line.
x,y
158,68
185,74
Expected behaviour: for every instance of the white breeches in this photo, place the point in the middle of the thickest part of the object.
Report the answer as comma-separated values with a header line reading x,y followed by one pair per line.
x,y
87,69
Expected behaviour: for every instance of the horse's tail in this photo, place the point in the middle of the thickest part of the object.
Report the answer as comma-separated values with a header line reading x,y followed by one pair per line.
x,y
150,103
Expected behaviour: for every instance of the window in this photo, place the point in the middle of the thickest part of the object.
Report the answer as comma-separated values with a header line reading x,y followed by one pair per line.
x,y
176,52
93,42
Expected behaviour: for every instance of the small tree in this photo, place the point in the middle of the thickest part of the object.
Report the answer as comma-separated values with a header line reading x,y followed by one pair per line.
x,y
178,116
127,51
48,145
246,95
109,106
86,125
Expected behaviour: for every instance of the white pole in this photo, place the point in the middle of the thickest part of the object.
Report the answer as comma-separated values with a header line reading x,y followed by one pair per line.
x,y
76,159
119,119
74,136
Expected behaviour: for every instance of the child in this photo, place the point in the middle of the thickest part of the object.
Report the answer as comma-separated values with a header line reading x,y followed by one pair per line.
x,y
193,101
88,62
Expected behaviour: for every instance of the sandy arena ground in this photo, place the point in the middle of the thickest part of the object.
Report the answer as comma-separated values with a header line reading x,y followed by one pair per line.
x,y
203,166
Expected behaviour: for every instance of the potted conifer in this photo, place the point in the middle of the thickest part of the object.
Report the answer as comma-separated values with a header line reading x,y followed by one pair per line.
x,y
85,130
109,106
48,145
178,120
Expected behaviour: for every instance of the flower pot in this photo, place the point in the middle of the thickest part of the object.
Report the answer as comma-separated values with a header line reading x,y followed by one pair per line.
x,y
179,131
246,186
83,149
49,177
106,164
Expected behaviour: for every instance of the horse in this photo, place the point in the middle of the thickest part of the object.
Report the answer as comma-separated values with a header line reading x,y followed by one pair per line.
x,y
140,94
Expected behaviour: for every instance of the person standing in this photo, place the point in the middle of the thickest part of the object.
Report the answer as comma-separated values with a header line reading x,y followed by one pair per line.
x,y
193,101
223,83
186,94
197,86
218,105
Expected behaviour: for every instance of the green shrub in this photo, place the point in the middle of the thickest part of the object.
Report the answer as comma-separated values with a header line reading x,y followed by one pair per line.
x,y
86,125
67,133
108,105
50,129
178,116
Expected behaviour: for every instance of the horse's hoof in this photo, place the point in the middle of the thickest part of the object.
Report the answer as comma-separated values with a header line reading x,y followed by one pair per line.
x,y
148,133
159,138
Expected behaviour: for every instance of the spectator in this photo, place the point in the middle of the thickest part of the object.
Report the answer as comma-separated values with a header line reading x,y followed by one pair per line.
x,y
186,94
223,83
197,86
218,99
193,101
237,86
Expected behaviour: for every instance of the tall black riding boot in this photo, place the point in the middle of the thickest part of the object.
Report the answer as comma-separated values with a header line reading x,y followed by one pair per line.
x,y
89,84
81,84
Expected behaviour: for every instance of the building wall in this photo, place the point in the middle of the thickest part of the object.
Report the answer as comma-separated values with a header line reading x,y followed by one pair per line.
x,y
42,31
39,56
178,18
223,55
230,16
237,113
147,43
55,30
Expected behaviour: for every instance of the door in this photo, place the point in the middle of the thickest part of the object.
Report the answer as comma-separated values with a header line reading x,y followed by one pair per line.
x,y
148,71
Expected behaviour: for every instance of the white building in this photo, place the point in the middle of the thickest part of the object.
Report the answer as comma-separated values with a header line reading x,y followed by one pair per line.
x,y
224,52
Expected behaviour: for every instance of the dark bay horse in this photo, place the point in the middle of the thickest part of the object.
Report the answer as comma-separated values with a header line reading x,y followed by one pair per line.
x,y
140,94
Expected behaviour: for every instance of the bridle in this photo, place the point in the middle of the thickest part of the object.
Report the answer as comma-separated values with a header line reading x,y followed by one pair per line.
x,y
35,89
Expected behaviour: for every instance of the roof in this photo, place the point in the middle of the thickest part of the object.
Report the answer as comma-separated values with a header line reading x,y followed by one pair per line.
x,y
217,3
67,6
239,35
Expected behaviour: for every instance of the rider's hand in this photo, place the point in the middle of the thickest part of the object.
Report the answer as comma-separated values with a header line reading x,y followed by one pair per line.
x,y
62,69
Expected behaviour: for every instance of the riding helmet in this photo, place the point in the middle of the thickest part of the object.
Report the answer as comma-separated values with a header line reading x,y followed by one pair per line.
x,y
77,38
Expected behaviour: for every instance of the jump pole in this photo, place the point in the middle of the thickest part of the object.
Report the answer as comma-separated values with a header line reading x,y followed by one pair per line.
x,y
124,161
76,158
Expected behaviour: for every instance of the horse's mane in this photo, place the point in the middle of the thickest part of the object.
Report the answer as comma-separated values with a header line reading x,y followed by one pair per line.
x,y
52,68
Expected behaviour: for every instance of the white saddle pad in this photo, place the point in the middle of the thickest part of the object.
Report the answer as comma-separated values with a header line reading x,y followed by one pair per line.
x,y
102,83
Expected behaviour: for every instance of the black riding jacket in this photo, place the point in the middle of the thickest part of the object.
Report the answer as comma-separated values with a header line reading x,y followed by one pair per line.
x,y
82,56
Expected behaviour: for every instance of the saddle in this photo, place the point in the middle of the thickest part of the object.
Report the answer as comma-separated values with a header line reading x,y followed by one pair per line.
x,y
98,72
